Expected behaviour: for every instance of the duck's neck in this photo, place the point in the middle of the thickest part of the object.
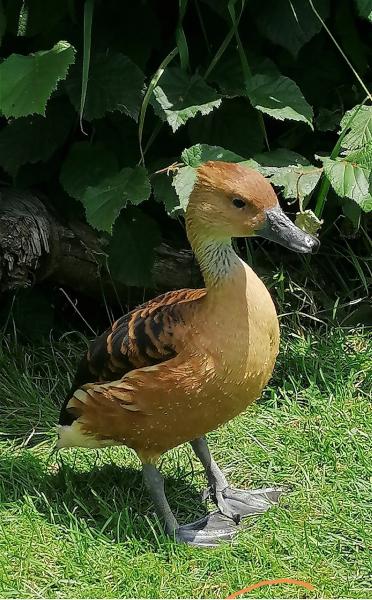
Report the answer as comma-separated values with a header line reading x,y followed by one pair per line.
x,y
218,261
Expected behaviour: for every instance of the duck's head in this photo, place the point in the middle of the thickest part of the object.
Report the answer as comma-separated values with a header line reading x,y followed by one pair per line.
x,y
231,200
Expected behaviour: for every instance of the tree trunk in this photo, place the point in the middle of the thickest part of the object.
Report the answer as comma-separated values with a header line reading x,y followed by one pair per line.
x,y
36,246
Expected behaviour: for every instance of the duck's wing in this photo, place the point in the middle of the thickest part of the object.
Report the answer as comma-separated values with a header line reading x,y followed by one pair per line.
x,y
146,336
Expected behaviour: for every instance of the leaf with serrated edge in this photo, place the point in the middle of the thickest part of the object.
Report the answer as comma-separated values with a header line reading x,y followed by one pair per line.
x,y
104,201
131,253
184,183
350,180
27,82
288,170
308,221
179,97
279,97
290,24
115,84
201,153
360,132
165,193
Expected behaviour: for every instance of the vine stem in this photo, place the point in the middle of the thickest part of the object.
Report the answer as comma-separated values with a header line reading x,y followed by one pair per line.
x,y
325,183
146,99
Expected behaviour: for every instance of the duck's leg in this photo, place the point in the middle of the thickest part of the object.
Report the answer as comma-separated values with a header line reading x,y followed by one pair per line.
x,y
232,503
207,531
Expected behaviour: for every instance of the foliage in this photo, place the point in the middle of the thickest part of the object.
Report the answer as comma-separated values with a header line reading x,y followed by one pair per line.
x,y
92,89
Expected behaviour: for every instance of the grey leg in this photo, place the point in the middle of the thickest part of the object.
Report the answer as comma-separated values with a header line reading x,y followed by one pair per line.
x,y
207,531
235,504
154,482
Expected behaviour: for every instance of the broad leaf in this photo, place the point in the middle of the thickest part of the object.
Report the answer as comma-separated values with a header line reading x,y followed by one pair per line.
x,y
27,82
201,153
291,23
328,120
350,179
360,132
131,255
104,201
279,97
290,171
115,83
364,8
184,183
179,97
165,193
35,138
86,165
234,126
228,74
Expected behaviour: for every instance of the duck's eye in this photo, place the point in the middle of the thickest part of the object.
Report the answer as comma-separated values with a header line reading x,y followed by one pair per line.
x,y
238,202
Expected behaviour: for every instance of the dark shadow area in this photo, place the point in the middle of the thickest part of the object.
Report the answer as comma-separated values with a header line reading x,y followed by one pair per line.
x,y
109,500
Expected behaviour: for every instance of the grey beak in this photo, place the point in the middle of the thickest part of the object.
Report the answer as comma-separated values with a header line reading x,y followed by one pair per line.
x,y
278,228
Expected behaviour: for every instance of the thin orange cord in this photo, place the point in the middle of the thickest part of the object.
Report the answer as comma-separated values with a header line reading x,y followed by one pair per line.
x,y
254,586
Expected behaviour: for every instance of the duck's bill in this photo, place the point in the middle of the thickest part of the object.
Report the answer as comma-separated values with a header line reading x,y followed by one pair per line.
x,y
278,228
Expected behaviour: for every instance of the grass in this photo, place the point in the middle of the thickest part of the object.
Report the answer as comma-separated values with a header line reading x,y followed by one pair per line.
x,y
79,524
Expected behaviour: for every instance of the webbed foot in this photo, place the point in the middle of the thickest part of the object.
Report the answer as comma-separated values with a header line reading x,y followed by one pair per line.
x,y
207,532
238,504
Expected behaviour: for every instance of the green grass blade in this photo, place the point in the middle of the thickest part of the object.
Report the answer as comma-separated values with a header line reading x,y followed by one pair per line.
x,y
146,99
182,46
88,18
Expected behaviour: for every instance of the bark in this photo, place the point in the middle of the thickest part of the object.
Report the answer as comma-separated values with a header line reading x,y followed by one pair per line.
x,y
35,245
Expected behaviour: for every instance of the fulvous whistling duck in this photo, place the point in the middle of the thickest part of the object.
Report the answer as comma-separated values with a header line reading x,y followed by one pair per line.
x,y
188,361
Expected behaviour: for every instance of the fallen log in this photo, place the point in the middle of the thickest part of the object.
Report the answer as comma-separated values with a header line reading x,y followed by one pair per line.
x,y
35,245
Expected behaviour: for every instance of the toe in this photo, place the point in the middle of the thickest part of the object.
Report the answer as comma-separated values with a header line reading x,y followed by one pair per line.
x,y
246,503
208,531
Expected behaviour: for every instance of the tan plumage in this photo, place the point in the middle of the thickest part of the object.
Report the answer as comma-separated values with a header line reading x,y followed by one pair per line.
x,y
186,362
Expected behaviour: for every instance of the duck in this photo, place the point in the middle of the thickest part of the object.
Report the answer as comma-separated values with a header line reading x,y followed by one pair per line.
x,y
188,361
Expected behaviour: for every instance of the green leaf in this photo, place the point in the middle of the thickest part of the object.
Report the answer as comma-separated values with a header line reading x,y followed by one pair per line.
x,y
86,165
351,180
290,171
279,97
115,83
104,201
165,193
131,254
179,97
328,120
234,126
184,183
352,211
360,132
35,138
27,82
308,221
364,8
290,24
201,153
